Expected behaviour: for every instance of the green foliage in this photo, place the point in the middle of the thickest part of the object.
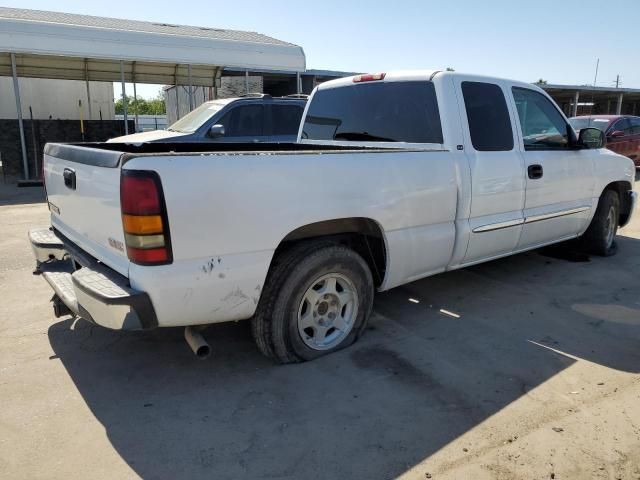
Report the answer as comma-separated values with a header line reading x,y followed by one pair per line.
x,y
141,106
541,81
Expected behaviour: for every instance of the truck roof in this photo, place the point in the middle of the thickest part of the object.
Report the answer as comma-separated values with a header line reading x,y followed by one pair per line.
x,y
420,74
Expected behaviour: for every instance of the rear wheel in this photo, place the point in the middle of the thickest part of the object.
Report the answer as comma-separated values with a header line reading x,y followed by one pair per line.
x,y
317,300
599,239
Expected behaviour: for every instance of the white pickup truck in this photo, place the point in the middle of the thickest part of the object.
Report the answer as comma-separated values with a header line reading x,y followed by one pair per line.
x,y
394,177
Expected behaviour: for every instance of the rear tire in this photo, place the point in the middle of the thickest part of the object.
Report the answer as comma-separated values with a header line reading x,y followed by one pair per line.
x,y
317,299
599,239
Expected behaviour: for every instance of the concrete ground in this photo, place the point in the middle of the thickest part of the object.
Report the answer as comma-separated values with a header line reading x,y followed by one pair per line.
x,y
522,368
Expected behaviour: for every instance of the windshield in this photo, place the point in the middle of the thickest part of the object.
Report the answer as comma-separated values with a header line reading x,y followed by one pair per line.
x,y
578,123
195,119
375,112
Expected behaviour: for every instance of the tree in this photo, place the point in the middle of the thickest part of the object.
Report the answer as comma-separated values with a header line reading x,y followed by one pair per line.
x,y
141,106
541,81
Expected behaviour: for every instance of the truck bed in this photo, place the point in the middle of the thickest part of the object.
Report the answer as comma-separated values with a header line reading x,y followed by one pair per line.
x,y
110,154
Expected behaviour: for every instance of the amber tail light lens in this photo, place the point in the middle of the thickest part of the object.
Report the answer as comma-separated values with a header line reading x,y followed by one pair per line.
x,y
144,218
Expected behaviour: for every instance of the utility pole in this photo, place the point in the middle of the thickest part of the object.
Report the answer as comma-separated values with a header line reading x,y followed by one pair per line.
x,y
596,76
618,81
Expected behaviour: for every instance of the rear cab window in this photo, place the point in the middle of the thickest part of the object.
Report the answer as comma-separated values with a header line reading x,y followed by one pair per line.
x,y
488,117
403,111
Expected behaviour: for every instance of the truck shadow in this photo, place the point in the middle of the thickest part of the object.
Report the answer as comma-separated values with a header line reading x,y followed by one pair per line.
x,y
441,356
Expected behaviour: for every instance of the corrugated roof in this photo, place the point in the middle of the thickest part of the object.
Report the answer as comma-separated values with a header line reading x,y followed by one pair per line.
x,y
137,26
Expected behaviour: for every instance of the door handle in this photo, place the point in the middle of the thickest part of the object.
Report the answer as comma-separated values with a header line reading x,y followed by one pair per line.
x,y
69,178
534,171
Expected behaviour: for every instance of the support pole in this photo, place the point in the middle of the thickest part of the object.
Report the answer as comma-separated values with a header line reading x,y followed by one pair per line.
x,y
124,99
217,78
135,94
16,91
576,99
190,88
175,81
246,82
86,81
298,83
619,104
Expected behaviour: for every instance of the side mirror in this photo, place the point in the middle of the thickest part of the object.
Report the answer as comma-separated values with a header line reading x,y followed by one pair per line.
x,y
216,131
616,134
592,138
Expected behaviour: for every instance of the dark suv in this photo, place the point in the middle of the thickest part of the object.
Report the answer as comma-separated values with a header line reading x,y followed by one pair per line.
x,y
253,118
622,132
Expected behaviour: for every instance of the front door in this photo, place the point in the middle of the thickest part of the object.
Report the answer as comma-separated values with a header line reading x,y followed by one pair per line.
x,y
559,179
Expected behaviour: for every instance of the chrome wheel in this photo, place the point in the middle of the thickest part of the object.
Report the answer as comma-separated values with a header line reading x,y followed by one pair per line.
x,y
327,311
610,226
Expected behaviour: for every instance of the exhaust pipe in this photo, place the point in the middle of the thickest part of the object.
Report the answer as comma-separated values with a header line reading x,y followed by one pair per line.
x,y
197,342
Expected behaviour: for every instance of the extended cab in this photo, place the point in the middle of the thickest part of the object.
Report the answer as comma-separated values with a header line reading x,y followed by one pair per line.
x,y
394,177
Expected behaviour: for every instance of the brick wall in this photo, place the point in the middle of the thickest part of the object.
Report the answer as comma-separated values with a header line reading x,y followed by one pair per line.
x,y
39,132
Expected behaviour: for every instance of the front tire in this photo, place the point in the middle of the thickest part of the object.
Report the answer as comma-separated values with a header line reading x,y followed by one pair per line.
x,y
317,300
599,239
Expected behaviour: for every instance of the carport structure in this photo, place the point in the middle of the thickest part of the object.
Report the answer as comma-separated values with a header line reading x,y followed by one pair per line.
x,y
56,45
586,100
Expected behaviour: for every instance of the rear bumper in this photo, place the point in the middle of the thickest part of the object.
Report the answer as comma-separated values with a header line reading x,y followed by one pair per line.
x,y
633,202
94,292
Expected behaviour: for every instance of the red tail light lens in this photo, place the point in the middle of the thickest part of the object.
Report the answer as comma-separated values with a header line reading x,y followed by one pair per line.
x,y
140,195
144,218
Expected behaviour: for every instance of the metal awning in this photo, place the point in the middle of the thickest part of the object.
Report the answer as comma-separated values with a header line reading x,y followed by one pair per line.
x,y
41,44
69,46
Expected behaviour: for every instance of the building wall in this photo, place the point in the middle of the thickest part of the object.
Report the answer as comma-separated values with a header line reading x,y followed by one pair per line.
x,y
56,99
230,87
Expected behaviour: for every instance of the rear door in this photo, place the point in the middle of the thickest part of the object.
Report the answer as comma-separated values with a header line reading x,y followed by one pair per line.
x,y
285,121
559,180
83,191
497,183
244,124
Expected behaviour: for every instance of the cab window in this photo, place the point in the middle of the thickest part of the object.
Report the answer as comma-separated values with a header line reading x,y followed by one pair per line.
x,y
244,121
286,119
623,125
543,127
488,116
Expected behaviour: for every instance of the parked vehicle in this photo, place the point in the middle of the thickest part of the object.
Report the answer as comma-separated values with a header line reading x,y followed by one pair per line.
x,y
395,177
622,132
253,118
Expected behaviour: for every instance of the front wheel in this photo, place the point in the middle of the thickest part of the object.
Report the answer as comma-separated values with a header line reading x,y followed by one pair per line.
x,y
317,300
599,239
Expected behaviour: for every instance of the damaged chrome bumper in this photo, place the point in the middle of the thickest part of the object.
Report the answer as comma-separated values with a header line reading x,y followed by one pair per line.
x,y
88,288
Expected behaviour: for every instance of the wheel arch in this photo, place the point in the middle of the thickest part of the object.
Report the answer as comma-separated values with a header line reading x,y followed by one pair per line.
x,y
622,187
362,234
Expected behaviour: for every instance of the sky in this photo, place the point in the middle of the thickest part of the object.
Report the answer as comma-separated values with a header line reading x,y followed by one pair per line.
x,y
556,40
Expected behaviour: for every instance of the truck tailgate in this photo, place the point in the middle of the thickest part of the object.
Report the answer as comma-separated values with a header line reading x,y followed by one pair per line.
x,y
83,190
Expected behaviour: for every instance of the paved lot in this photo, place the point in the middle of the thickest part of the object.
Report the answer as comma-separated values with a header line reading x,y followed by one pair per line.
x,y
536,375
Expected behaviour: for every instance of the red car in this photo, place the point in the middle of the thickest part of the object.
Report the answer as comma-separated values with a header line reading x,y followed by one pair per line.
x,y
622,132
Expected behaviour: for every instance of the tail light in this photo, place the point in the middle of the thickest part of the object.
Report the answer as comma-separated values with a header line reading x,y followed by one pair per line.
x,y
144,218
369,77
